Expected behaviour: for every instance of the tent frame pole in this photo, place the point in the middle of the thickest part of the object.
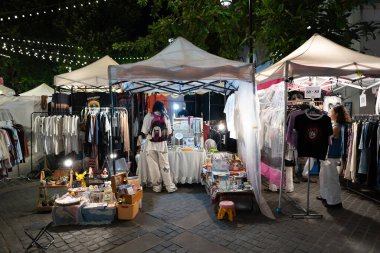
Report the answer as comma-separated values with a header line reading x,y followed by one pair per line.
x,y
286,80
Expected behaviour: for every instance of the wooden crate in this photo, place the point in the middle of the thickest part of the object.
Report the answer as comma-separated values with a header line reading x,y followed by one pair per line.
x,y
131,199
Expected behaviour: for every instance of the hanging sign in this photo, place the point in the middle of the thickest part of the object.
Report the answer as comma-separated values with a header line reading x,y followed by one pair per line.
x,y
363,100
313,92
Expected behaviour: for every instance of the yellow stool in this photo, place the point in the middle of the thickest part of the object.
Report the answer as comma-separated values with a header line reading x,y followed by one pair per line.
x,y
228,207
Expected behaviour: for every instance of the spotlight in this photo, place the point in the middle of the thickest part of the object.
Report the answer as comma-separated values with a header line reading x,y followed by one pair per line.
x,y
68,163
113,155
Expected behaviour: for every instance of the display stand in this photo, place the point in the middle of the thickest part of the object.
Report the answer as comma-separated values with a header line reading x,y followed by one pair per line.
x,y
307,214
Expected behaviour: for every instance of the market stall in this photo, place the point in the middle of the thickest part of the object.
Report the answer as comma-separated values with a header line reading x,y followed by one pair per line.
x,y
41,90
333,65
181,68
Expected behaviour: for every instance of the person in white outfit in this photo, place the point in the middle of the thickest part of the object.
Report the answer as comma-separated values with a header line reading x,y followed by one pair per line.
x,y
157,128
328,175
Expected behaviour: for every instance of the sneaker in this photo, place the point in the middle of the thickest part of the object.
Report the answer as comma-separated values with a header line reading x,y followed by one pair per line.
x,y
157,188
172,189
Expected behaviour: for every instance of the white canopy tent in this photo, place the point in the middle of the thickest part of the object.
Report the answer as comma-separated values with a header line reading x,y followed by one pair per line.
x,y
180,68
319,56
41,90
6,91
94,75
318,62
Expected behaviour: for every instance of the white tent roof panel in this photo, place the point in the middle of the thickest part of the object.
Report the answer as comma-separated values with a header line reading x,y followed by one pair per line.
x,y
182,61
319,56
6,91
41,90
92,75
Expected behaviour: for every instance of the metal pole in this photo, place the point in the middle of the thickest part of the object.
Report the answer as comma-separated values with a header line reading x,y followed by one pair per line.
x,y
279,208
250,31
209,107
112,112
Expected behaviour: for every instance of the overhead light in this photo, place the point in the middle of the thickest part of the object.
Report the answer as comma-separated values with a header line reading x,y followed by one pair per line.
x,y
113,155
175,106
221,127
225,3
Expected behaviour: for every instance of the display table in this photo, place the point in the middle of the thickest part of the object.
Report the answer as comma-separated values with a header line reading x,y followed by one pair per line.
x,y
82,214
185,166
243,199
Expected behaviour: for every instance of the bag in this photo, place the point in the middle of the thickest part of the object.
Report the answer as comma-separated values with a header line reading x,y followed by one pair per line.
x,y
158,129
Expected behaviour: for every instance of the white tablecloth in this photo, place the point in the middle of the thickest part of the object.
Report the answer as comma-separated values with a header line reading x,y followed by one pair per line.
x,y
185,166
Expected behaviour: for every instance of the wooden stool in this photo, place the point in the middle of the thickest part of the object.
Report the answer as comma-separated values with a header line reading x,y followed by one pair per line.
x,y
228,207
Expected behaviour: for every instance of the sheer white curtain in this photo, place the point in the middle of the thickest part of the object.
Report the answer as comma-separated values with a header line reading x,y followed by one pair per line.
x,y
246,119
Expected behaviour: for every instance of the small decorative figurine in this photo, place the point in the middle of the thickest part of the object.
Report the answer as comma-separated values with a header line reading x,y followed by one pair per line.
x,y
90,173
236,165
80,177
104,173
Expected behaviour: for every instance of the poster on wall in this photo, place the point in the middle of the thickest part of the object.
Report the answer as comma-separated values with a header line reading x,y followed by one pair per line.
x,y
93,101
363,100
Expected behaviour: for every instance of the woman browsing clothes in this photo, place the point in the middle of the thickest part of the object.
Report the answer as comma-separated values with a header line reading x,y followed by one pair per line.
x,y
328,175
157,128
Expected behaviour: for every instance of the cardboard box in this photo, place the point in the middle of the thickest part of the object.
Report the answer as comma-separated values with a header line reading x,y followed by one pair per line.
x,y
134,181
117,180
127,211
131,199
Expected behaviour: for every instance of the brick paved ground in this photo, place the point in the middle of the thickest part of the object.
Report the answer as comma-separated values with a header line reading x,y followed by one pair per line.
x,y
186,222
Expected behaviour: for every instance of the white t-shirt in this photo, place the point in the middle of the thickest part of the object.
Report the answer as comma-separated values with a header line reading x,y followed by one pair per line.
x,y
158,146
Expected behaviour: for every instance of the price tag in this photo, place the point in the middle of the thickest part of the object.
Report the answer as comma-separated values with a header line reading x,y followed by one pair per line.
x,y
363,100
313,92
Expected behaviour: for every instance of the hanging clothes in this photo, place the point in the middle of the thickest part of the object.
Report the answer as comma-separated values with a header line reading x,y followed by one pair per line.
x,y
55,134
313,135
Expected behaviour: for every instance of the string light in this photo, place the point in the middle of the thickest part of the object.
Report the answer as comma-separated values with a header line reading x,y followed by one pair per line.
x,y
55,56
45,10
4,55
5,45
42,54
56,44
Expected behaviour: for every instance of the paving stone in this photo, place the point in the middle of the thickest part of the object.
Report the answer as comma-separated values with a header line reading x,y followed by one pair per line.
x,y
78,248
93,247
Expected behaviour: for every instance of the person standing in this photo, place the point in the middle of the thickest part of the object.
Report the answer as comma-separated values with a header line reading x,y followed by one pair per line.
x,y
156,127
328,175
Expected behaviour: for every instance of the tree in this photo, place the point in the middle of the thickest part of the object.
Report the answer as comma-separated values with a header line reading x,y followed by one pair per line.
x,y
91,29
279,26
205,23
282,26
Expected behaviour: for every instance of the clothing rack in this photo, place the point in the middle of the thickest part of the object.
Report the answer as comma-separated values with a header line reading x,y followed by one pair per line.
x,y
6,116
358,117
111,110
366,116
306,212
31,132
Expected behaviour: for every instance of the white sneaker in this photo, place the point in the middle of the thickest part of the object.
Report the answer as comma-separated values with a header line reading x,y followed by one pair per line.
x,y
172,189
157,188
